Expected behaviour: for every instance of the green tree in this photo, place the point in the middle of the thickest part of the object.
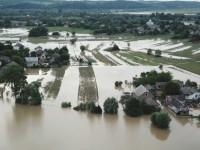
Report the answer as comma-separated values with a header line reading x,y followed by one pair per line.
x,y
133,107
19,60
30,94
73,33
161,120
83,48
172,88
15,76
158,53
149,51
38,31
111,105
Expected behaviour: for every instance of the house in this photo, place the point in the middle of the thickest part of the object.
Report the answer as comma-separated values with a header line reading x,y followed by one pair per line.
x,y
194,96
18,46
159,88
186,91
38,48
39,52
152,102
150,23
142,93
31,61
43,55
160,85
4,59
177,106
151,89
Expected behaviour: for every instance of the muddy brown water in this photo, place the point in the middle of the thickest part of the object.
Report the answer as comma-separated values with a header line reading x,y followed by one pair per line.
x,y
51,127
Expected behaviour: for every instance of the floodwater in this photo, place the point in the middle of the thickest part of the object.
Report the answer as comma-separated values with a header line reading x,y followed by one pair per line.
x,y
51,127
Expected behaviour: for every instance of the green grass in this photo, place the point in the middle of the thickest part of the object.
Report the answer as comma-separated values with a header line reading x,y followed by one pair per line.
x,y
68,29
144,59
103,59
90,59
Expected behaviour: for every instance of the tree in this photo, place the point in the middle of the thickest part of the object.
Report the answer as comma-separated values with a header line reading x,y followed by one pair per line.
x,y
191,84
30,94
73,41
149,51
55,33
158,53
111,105
115,47
172,88
38,31
15,76
18,60
161,120
82,47
133,107
73,33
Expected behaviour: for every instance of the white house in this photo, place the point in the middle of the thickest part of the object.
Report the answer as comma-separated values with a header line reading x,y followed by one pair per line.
x,y
195,96
31,61
150,23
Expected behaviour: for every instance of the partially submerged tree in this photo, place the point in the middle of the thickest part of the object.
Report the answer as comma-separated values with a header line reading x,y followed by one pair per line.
x,y
111,105
158,53
133,107
149,51
161,120
83,48
15,76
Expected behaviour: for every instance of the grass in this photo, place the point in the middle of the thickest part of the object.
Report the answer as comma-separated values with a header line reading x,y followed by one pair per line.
x,y
90,59
68,29
144,59
103,59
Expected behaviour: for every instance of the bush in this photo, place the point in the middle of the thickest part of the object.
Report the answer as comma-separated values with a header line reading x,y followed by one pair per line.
x,y
89,63
161,120
133,107
148,109
149,51
118,83
90,106
82,47
158,53
111,106
66,104
55,33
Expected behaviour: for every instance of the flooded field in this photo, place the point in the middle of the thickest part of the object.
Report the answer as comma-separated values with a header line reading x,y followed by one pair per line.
x,y
54,128
51,127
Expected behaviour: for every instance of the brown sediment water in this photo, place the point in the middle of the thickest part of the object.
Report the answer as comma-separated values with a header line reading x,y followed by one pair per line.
x,y
51,127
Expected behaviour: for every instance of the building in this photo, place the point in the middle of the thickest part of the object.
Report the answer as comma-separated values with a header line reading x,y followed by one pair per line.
x,y
186,91
152,102
18,46
142,93
177,106
4,59
151,89
31,61
194,96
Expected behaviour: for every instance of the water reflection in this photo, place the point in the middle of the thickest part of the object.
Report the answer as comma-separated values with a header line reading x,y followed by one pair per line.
x,y
160,134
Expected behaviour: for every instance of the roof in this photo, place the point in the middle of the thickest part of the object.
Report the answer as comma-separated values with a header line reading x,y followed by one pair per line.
x,y
31,59
149,87
140,90
4,58
151,102
19,45
188,90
